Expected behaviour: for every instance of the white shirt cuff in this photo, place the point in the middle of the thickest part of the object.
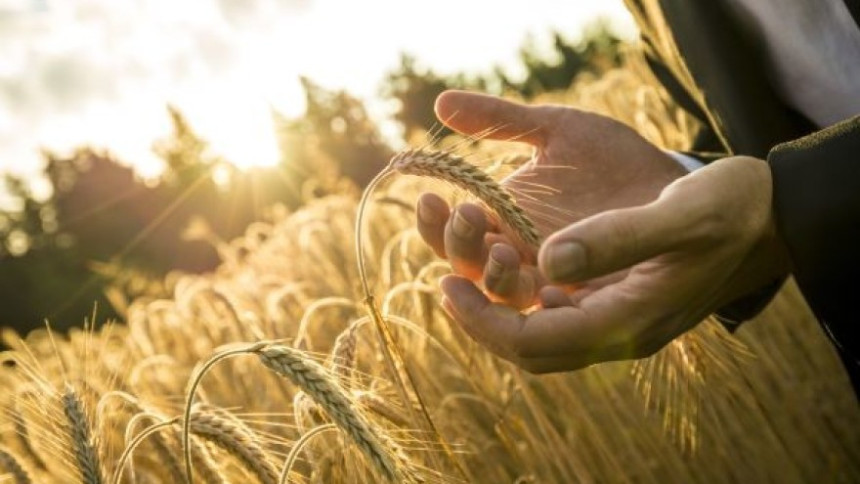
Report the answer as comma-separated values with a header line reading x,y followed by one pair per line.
x,y
687,161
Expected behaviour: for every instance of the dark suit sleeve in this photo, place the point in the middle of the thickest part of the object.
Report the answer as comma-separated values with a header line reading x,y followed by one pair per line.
x,y
706,146
816,200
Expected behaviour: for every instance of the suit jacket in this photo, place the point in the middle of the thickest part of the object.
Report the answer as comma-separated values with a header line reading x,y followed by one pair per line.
x,y
712,63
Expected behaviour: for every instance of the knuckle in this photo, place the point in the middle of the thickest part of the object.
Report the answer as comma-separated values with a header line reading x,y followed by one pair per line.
x,y
625,231
714,225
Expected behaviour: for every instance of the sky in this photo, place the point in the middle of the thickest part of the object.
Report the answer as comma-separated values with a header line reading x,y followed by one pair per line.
x,y
101,72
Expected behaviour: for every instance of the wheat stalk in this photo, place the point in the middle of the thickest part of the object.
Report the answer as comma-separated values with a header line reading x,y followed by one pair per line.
x,y
162,450
454,169
132,445
82,442
21,434
160,447
237,441
298,446
209,471
333,399
382,407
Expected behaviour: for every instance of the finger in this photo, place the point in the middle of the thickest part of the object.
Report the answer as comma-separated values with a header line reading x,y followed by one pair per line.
x,y
508,281
613,240
607,326
553,297
491,325
475,114
464,240
433,214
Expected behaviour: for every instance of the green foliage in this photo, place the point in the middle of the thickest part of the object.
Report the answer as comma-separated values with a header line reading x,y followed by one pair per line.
x,y
185,153
337,126
414,89
597,52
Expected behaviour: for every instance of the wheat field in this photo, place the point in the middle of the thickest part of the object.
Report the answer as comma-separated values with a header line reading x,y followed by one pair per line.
x,y
306,391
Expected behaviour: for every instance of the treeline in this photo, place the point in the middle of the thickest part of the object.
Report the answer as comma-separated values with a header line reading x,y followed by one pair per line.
x,y
104,236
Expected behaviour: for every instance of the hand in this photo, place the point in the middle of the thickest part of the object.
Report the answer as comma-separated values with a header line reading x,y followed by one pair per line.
x,y
583,164
649,268
708,239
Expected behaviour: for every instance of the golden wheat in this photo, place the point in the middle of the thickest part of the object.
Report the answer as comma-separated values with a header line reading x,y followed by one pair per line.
x,y
318,384
784,415
238,441
12,465
455,170
84,448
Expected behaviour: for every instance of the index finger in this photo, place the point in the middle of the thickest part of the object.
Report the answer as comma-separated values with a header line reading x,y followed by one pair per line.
x,y
485,116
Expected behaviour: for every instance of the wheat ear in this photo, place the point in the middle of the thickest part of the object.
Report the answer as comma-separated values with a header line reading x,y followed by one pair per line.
x,y
82,442
332,398
454,169
237,441
12,465
343,353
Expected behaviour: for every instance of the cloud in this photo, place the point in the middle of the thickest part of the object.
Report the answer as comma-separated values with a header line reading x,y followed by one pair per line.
x,y
61,58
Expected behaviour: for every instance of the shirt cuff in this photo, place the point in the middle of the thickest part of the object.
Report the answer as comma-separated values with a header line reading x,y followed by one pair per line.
x,y
685,160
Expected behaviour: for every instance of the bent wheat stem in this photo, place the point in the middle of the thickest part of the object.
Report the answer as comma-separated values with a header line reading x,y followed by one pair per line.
x,y
192,388
299,445
126,454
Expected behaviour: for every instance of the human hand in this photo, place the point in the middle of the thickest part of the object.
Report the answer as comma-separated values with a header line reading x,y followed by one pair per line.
x,y
583,164
708,239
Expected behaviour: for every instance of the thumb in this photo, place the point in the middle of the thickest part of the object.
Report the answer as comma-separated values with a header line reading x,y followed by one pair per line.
x,y
474,114
611,241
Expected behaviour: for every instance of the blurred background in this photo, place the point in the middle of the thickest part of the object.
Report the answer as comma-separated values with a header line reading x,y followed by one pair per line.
x,y
138,135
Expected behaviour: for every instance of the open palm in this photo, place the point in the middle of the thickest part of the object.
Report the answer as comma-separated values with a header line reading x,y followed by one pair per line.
x,y
583,164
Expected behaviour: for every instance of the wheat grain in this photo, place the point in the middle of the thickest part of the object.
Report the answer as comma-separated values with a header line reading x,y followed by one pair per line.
x,y
333,399
454,169
82,442
237,441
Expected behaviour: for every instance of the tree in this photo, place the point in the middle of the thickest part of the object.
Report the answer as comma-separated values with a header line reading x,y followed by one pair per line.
x,y
415,89
335,138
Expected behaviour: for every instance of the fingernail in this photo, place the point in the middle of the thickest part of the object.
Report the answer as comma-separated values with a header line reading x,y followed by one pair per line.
x,y
426,215
565,260
461,226
494,267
